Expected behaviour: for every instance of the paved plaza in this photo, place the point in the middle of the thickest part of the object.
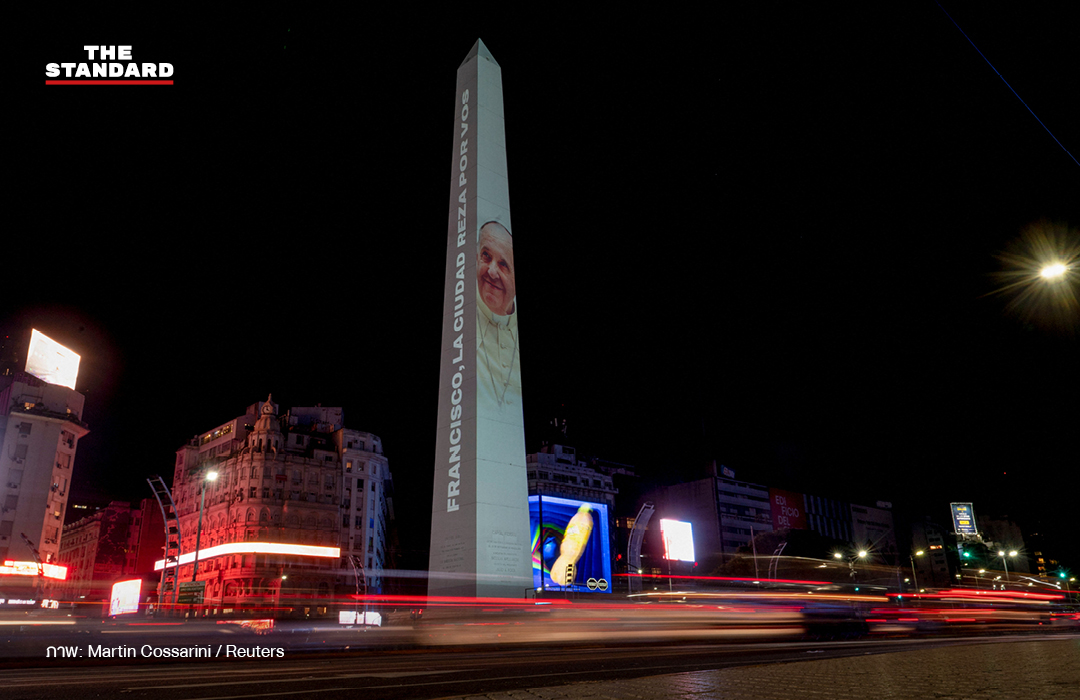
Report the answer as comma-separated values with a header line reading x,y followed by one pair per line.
x,y
1042,670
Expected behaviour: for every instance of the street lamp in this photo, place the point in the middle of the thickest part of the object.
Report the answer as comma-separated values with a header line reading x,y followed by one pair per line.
x,y
1001,553
861,554
913,576
1053,271
1064,576
210,476
277,593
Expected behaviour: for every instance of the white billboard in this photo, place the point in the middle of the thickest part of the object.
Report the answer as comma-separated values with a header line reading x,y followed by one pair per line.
x,y
678,539
125,597
50,361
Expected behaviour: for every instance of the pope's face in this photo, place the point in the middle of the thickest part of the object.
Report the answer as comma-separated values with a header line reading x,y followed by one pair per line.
x,y
495,269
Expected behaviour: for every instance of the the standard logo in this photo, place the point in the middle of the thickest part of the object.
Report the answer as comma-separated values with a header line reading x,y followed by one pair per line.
x,y
106,68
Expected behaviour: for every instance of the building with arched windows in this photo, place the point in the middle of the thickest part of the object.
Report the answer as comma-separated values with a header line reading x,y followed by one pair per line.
x,y
296,518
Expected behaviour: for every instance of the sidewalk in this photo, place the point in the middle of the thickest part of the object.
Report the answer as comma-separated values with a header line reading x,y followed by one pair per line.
x,y
1047,670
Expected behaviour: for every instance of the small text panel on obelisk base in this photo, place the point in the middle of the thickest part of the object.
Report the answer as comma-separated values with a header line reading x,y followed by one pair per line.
x,y
480,512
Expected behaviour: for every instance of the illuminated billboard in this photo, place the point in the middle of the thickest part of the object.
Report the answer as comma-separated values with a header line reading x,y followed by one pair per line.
x,y
50,361
787,510
479,514
353,617
30,568
297,550
678,539
571,550
125,597
963,517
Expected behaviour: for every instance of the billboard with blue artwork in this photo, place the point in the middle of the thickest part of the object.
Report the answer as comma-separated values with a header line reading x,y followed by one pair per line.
x,y
571,549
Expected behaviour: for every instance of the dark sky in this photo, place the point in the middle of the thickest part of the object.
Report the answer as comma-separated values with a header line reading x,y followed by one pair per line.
x,y
765,235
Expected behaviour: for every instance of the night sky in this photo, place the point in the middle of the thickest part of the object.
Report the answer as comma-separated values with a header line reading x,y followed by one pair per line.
x,y
770,236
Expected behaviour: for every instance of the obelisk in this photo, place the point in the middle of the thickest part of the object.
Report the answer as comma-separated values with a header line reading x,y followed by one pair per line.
x,y
479,513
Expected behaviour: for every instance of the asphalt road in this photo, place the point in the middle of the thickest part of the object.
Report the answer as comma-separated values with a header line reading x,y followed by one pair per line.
x,y
419,675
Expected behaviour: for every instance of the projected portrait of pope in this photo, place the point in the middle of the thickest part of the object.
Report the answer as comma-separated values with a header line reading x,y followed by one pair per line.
x,y
498,370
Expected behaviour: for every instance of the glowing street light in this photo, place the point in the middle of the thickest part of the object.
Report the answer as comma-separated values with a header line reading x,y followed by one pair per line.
x,y
861,554
1054,271
1001,553
913,576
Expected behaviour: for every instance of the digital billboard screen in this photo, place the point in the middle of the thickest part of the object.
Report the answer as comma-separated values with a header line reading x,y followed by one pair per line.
x,y
571,548
678,539
125,597
50,361
963,515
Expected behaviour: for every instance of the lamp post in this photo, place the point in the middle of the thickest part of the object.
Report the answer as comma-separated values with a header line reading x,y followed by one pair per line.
x,y
861,554
210,476
277,592
1005,561
1064,576
913,576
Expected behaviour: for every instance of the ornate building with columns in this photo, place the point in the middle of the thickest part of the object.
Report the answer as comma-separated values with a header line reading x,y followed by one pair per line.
x,y
296,519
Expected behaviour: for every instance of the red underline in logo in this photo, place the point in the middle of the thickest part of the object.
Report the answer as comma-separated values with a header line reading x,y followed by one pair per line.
x,y
108,82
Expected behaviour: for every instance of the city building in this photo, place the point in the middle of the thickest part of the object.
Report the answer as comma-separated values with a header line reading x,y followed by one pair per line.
x,y
725,514
298,511
1041,560
110,544
828,517
40,426
931,568
556,471
146,538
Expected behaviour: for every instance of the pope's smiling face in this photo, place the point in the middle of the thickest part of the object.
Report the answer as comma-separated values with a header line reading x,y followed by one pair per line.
x,y
495,269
